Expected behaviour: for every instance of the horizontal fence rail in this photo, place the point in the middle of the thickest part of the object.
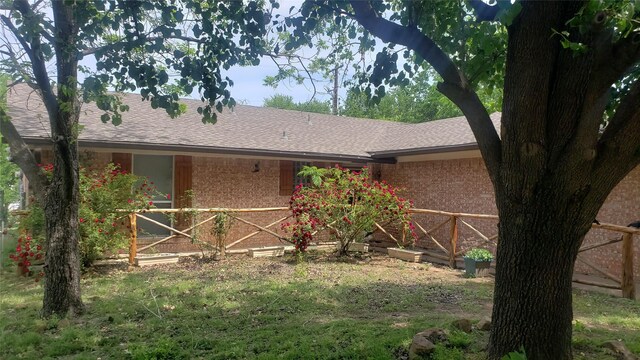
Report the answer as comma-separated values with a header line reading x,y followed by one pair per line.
x,y
454,220
448,247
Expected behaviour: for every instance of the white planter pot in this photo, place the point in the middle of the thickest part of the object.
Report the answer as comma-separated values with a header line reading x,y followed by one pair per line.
x,y
404,254
267,251
358,247
156,259
355,247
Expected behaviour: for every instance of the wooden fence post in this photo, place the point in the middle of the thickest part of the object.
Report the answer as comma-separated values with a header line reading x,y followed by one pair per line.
x,y
628,285
133,240
453,241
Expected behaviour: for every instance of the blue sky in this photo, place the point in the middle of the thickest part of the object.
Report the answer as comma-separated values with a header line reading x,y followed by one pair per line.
x,y
248,85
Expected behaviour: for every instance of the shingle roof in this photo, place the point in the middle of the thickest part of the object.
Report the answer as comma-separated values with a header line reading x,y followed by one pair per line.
x,y
246,128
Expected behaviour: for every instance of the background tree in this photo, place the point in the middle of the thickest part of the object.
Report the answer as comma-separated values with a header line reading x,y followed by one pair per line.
x,y
9,187
554,163
337,52
137,45
280,101
415,102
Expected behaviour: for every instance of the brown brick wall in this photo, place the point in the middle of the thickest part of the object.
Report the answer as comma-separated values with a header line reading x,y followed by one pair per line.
x,y
464,186
233,183
621,208
450,185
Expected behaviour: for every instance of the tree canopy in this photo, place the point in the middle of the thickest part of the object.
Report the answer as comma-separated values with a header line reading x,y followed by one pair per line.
x,y
161,49
415,102
569,132
280,101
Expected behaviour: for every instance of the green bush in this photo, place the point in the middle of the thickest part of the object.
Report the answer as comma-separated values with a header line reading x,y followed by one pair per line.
x,y
106,197
348,204
479,255
516,355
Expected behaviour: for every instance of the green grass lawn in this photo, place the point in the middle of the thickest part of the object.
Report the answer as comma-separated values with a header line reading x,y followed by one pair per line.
x,y
276,308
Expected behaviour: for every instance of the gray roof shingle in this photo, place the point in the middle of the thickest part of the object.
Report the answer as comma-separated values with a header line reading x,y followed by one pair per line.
x,y
247,128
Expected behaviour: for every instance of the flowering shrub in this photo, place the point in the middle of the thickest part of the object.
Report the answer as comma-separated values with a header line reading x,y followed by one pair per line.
x,y
348,204
102,193
27,253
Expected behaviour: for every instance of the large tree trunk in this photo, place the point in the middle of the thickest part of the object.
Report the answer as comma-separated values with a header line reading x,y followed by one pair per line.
x,y
61,200
534,267
62,263
553,165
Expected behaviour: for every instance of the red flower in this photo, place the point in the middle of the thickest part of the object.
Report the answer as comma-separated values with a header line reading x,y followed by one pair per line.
x,y
168,196
150,202
81,220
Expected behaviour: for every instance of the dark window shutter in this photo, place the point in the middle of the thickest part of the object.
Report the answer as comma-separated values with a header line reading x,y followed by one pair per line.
x,y
286,177
182,182
183,169
122,159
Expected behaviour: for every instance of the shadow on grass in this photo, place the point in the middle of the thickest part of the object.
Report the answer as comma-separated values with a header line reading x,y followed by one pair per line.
x,y
254,309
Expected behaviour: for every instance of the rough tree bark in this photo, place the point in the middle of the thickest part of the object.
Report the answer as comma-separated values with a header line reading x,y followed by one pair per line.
x,y
58,194
551,168
62,263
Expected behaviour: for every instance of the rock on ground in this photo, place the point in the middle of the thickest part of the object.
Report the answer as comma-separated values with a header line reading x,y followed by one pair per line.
x,y
423,342
620,350
463,324
484,325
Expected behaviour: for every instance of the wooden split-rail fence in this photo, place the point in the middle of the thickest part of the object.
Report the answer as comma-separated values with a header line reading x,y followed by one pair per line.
x,y
448,249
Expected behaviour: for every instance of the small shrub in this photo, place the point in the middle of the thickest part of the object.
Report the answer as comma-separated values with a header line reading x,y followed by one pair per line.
x,y
162,349
459,339
28,252
346,203
103,194
516,355
479,255
444,353
220,229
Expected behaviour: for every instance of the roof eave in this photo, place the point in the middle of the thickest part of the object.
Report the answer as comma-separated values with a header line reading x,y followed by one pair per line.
x,y
384,154
38,141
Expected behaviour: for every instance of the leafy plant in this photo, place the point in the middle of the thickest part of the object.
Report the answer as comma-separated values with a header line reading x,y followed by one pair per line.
x,y
106,197
479,255
27,253
220,229
348,204
516,355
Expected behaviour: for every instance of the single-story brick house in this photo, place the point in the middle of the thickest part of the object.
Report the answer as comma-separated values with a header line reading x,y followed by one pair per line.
x,y
250,156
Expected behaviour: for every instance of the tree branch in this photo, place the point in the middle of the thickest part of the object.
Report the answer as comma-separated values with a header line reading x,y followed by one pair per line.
x,y
22,156
618,149
455,85
484,11
112,46
628,109
617,60
37,59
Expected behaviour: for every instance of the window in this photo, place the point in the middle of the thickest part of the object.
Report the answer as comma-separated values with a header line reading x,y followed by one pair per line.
x,y
289,176
159,170
297,179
